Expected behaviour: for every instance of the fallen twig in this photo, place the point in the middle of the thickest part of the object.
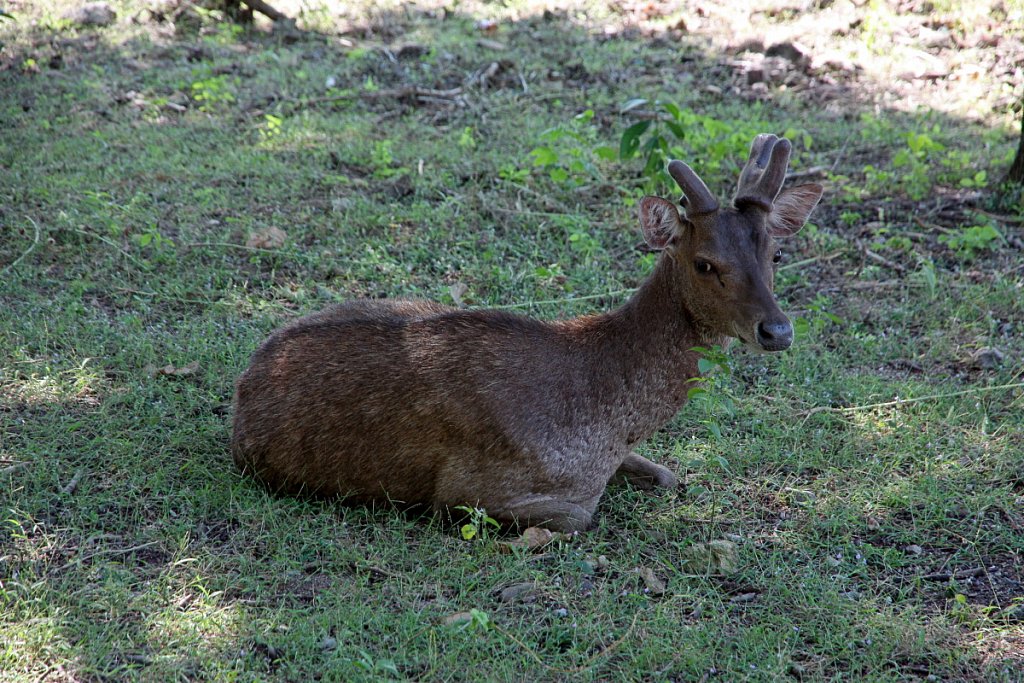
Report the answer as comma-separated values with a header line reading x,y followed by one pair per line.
x,y
907,401
28,251
265,9
14,468
962,574
70,487
808,173
111,551
413,91
878,258
101,238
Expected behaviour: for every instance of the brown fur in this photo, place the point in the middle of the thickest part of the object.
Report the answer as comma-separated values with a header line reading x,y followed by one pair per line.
x,y
416,402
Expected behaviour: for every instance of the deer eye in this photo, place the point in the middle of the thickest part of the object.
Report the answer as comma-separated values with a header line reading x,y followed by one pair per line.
x,y
777,257
703,267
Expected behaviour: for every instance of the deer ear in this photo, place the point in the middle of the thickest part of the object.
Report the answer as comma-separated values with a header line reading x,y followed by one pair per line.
x,y
791,209
659,221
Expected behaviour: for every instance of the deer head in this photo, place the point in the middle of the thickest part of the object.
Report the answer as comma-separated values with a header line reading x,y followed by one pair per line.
x,y
725,257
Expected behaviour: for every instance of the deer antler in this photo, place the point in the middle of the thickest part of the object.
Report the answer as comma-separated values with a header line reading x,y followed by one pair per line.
x,y
762,177
699,199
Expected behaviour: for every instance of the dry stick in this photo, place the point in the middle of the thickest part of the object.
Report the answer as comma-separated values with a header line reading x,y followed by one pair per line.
x,y
14,468
917,399
812,171
881,259
101,238
804,262
70,487
962,574
112,551
407,91
933,226
265,9
28,251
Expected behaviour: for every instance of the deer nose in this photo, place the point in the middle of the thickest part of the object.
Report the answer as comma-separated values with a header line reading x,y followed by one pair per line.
x,y
775,335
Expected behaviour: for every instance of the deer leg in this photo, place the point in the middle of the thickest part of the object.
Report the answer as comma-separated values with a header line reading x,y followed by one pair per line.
x,y
644,474
555,514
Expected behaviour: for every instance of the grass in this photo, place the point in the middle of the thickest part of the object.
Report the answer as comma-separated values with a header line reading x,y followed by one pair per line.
x,y
870,477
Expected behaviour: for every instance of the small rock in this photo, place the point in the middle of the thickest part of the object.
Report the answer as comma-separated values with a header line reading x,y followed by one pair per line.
x,y
399,186
1014,613
913,549
329,643
519,592
458,618
412,51
794,52
602,562
801,496
919,64
987,358
91,14
716,557
655,586
489,44
269,238
562,612
750,45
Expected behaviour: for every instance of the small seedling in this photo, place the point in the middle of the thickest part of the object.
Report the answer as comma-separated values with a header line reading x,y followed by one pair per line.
x,y
478,522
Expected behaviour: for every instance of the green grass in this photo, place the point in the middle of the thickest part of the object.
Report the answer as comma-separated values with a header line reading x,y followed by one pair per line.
x,y
851,471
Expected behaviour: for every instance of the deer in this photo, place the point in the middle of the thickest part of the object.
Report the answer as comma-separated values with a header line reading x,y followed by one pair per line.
x,y
417,403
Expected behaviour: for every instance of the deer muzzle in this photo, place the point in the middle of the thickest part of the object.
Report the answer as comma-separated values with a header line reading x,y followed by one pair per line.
x,y
774,335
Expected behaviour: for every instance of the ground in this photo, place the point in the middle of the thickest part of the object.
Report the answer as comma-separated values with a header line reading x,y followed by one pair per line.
x,y
176,185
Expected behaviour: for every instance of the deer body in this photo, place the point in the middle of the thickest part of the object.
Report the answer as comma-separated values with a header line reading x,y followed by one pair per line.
x,y
416,402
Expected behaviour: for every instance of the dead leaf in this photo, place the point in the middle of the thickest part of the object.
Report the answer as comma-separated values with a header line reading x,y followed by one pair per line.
x,y
716,557
458,290
487,26
458,618
655,586
519,592
535,538
171,371
268,238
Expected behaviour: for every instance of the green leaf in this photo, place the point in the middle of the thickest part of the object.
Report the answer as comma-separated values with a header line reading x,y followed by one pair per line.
x,y
705,366
633,104
631,139
605,152
676,129
544,156
673,110
559,175
468,531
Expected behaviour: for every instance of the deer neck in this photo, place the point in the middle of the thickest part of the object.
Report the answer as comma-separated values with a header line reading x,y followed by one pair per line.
x,y
644,358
